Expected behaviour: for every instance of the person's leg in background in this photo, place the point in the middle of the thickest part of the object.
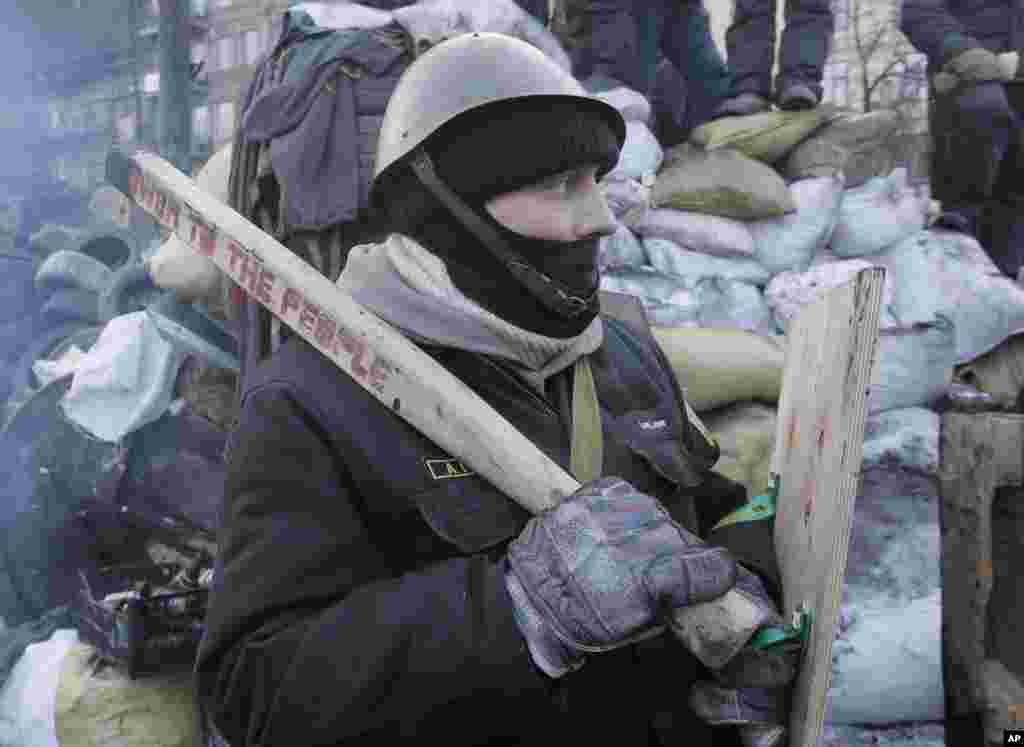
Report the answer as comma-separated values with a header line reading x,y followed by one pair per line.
x,y
971,131
805,44
750,50
1001,229
688,44
615,44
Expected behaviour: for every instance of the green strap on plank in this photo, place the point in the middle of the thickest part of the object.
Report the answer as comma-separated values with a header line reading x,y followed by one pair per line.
x,y
759,507
776,637
784,637
587,455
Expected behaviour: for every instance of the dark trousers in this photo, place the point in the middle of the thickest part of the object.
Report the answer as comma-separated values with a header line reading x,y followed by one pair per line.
x,y
977,168
750,43
629,38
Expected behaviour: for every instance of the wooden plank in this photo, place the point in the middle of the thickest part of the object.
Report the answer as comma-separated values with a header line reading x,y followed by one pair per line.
x,y
819,440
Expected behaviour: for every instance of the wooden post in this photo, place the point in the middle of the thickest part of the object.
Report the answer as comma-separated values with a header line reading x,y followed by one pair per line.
x,y
982,455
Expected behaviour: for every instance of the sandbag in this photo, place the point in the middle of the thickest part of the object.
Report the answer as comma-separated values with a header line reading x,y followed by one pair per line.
x,y
722,182
628,198
633,106
722,366
641,154
178,268
877,215
939,272
888,667
432,21
647,283
667,257
789,292
621,249
745,432
733,304
767,136
856,144
98,706
789,242
907,437
999,372
708,234
914,366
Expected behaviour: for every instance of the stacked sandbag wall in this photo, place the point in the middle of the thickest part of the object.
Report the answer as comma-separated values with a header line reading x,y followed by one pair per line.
x,y
733,234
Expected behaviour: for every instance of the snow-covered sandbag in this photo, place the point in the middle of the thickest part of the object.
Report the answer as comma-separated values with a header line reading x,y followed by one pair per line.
x,y
28,696
103,707
178,268
641,155
913,734
790,241
745,432
789,292
721,366
709,234
733,304
633,106
767,136
855,144
722,182
887,667
879,214
647,283
907,437
940,272
621,249
344,15
433,21
914,366
627,198
125,381
665,256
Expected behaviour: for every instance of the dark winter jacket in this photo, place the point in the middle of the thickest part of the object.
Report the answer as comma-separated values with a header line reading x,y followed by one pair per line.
x,y
360,595
942,29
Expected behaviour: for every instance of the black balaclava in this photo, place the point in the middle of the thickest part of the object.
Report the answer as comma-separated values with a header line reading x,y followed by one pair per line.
x,y
497,149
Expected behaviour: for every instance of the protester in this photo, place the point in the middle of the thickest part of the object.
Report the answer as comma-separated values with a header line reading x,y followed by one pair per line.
x,y
370,588
976,118
627,38
750,47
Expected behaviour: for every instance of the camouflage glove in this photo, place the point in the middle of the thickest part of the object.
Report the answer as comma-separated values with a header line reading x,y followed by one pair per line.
x,y
754,689
604,569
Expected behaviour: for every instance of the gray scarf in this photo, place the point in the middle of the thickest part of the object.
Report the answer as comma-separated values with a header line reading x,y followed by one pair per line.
x,y
407,286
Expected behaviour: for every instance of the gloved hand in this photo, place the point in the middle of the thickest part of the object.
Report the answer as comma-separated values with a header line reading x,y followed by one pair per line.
x,y
976,65
603,569
754,689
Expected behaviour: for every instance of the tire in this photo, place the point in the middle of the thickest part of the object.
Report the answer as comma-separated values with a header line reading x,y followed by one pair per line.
x,y
67,304
131,289
112,249
68,269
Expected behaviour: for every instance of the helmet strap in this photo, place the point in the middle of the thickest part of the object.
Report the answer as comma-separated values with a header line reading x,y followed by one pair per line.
x,y
551,293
